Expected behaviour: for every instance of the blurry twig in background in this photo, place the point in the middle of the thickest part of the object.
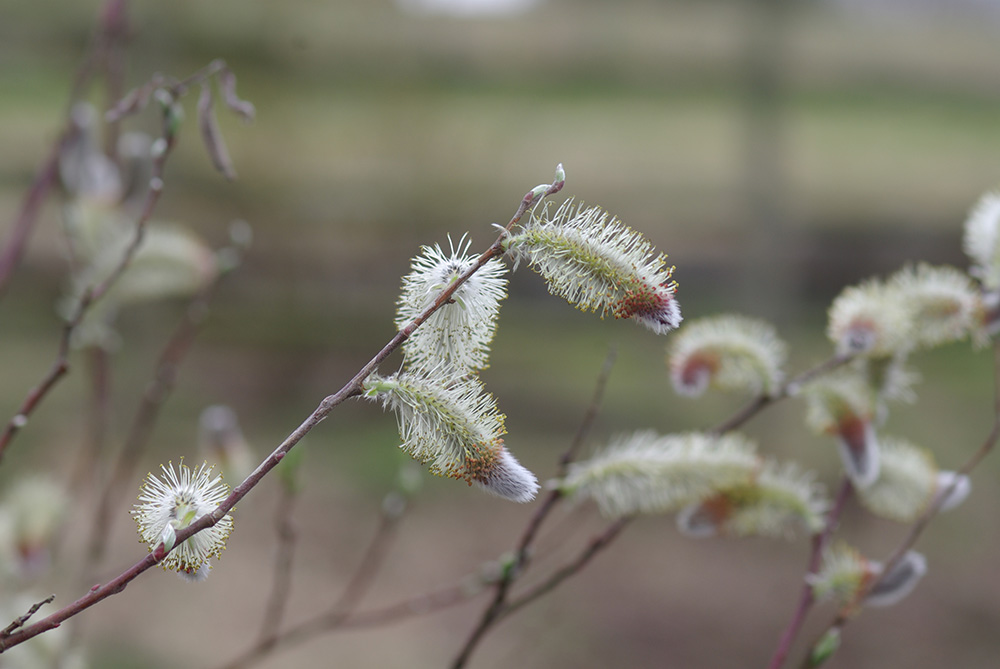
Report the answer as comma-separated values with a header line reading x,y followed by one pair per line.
x,y
105,55
812,659
499,605
342,610
281,588
156,393
806,599
167,92
351,389
788,389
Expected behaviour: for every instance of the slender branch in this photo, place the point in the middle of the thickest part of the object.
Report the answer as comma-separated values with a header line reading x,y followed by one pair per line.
x,y
20,232
91,295
20,620
374,556
593,547
498,604
133,102
788,389
918,527
153,399
329,622
820,541
281,590
351,389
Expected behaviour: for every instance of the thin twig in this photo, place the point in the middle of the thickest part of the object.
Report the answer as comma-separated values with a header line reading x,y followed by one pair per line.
x,y
918,527
593,547
174,89
351,389
271,639
499,604
820,541
281,589
788,389
153,399
20,620
91,295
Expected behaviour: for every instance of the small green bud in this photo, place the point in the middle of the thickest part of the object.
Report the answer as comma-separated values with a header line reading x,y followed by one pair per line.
x,y
168,537
539,191
825,648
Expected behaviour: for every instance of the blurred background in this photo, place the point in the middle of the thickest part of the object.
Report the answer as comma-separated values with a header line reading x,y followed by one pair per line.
x,y
777,150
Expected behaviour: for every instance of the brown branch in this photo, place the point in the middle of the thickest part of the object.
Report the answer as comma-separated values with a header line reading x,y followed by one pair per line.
x,y
20,620
498,605
593,547
820,541
271,639
789,388
153,399
920,525
133,102
281,590
91,295
351,389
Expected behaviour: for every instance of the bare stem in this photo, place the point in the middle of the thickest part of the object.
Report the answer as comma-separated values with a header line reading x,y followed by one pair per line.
x,y
498,604
351,389
20,620
806,599
593,547
918,527
281,590
789,388
91,295
153,399
271,639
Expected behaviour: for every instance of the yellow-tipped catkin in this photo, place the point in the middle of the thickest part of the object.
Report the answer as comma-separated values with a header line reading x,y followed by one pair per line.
x,y
452,425
596,263
459,333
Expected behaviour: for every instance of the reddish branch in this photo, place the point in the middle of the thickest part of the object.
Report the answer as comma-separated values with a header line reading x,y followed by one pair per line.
x,y
806,599
918,527
788,389
132,103
499,605
351,389
164,379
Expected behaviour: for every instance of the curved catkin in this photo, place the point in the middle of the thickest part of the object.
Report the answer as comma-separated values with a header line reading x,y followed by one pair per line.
x,y
596,263
648,473
981,241
453,426
727,352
